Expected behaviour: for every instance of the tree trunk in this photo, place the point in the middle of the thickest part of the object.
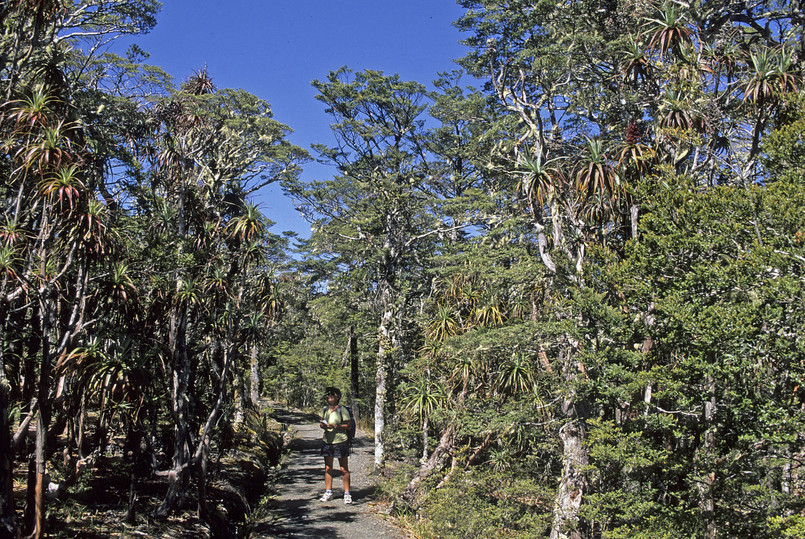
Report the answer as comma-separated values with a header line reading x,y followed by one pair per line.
x,y
8,518
380,399
203,509
179,408
352,350
573,482
704,465
39,469
102,430
383,359
575,456
242,392
437,461
481,448
39,482
254,377
134,454
425,438
81,427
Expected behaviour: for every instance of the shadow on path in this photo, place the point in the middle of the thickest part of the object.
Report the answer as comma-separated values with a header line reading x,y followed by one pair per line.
x,y
296,509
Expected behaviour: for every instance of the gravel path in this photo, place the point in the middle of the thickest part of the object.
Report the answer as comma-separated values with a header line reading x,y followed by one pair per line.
x,y
297,511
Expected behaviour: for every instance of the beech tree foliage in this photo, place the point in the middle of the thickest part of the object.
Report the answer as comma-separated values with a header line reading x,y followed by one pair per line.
x,y
377,215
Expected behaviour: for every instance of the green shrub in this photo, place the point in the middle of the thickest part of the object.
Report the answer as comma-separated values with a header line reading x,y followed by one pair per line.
x,y
484,504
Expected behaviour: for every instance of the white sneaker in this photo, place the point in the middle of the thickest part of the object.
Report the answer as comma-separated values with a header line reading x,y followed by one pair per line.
x,y
327,496
347,498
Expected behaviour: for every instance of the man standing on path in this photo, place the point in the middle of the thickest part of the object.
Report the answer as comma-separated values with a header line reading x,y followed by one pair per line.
x,y
335,423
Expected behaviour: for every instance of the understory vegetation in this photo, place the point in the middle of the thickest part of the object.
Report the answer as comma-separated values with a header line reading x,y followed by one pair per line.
x,y
567,302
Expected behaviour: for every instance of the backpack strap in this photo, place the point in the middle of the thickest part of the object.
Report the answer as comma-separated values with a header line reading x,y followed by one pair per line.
x,y
340,413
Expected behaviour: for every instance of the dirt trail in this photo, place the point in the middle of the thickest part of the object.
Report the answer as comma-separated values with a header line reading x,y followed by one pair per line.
x,y
297,509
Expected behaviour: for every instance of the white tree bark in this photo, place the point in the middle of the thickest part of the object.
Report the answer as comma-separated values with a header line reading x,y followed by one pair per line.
x,y
383,353
573,483
254,377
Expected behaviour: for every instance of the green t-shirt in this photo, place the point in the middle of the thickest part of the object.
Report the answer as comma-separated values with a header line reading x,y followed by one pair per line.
x,y
339,417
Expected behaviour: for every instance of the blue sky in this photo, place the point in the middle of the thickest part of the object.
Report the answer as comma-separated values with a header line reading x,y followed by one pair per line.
x,y
275,48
